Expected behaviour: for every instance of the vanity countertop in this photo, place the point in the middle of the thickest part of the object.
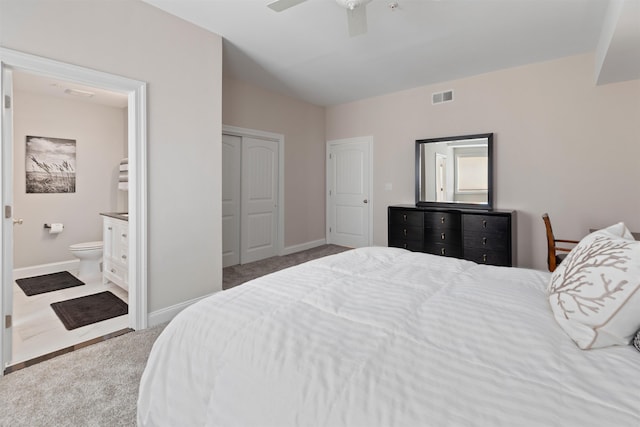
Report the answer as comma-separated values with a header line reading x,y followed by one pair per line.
x,y
124,216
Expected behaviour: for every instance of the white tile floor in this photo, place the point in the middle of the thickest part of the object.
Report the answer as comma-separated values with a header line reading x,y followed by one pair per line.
x,y
37,330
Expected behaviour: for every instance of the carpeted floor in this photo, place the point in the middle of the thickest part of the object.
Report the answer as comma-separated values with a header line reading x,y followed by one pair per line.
x,y
94,386
98,385
238,274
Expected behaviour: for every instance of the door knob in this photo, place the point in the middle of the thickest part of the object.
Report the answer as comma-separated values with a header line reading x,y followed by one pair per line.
x,y
18,221
365,201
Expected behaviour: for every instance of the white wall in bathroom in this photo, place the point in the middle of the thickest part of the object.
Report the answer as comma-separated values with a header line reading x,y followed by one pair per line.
x,y
100,134
182,65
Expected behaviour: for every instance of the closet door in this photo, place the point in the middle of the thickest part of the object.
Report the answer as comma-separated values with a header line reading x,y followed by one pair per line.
x,y
231,175
259,197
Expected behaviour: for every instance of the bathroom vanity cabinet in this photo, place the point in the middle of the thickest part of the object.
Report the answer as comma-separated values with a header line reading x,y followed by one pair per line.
x,y
115,267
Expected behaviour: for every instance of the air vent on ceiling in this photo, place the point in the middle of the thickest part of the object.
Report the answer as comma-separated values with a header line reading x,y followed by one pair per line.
x,y
440,97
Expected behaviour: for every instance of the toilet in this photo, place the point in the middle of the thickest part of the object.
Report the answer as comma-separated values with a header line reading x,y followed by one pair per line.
x,y
90,256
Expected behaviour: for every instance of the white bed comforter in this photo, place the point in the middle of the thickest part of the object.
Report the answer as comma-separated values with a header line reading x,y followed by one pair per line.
x,y
384,337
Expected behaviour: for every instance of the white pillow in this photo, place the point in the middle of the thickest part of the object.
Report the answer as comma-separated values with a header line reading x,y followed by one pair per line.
x,y
595,292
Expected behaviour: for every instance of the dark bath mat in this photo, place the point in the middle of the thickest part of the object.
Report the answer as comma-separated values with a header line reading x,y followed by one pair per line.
x,y
48,283
82,311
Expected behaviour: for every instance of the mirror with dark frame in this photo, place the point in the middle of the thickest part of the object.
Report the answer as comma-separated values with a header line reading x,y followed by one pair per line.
x,y
455,171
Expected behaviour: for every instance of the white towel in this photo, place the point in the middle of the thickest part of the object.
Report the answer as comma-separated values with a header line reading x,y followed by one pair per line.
x,y
123,186
124,167
123,177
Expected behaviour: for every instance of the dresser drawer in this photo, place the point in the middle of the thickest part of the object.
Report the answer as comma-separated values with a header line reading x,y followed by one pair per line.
x,y
444,250
401,217
412,245
486,241
441,220
447,236
485,223
500,258
405,232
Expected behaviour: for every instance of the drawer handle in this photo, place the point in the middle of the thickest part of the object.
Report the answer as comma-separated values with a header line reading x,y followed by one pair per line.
x,y
442,236
442,251
484,223
484,240
404,217
442,219
124,235
124,257
405,231
113,270
109,228
484,257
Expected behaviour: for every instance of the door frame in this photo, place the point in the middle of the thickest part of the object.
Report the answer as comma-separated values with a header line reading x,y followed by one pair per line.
x,y
441,162
136,92
361,139
279,138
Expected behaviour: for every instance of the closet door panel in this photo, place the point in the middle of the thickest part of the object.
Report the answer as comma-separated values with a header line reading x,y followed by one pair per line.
x,y
259,199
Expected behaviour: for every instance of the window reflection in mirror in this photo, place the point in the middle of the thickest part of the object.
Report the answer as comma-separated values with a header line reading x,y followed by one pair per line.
x,y
454,171
471,174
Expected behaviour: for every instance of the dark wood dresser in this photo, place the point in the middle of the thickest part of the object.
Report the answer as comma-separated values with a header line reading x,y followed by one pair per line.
x,y
485,237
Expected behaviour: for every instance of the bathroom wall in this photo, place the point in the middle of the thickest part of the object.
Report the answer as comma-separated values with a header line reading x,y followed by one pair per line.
x,y
100,134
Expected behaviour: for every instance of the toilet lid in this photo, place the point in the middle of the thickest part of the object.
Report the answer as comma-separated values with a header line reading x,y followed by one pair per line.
x,y
87,245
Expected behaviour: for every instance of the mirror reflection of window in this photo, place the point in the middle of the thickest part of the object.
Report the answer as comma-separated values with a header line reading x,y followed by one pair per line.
x,y
472,174
471,179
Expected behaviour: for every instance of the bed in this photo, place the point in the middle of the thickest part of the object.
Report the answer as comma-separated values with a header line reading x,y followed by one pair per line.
x,y
384,337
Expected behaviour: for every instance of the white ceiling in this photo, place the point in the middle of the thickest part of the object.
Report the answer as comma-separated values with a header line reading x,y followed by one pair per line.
x,y
306,52
33,83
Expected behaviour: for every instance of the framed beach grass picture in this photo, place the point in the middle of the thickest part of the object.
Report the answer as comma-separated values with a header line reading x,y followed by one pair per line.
x,y
50,165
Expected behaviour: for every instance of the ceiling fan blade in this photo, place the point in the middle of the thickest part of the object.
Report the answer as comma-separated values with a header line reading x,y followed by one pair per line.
x,y
357,19
280,5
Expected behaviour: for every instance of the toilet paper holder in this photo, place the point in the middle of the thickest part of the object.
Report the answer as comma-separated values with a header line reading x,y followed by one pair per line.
x,y
54,228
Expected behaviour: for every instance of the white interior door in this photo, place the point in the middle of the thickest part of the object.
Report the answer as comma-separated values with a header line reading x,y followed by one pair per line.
x,y
349,185
259,188
441,163
7,218
231,177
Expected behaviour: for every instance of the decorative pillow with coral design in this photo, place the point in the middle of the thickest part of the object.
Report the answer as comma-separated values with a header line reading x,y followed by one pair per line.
x,y
595,292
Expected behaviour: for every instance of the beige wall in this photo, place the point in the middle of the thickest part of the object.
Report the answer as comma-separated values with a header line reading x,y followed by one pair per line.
x,y
562,145
182,65
100,135
302,125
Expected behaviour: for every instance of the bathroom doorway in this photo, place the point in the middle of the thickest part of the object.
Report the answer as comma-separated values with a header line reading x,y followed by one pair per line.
x,y
59,77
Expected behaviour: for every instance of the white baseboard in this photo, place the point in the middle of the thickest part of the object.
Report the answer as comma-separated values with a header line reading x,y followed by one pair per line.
x,y
38,270
303,246
168,313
